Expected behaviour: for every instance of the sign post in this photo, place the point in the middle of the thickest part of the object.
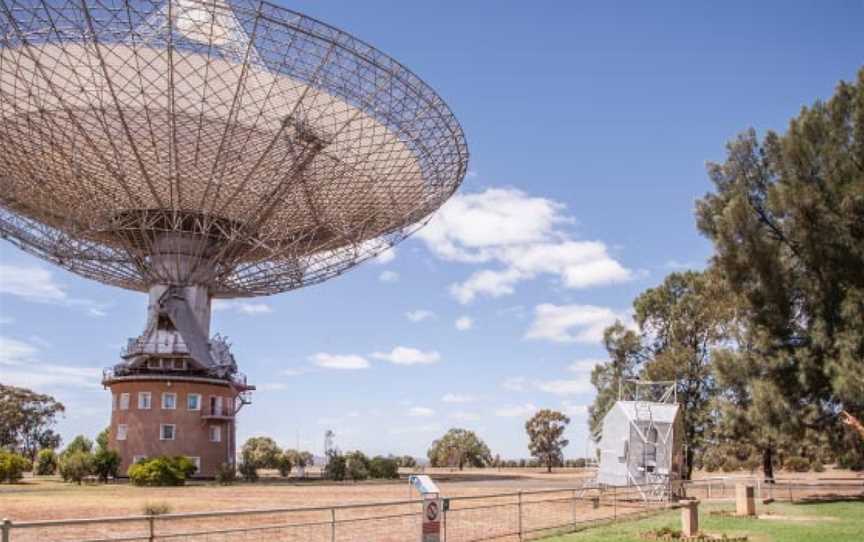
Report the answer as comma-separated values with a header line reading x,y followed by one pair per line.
x,y
433,507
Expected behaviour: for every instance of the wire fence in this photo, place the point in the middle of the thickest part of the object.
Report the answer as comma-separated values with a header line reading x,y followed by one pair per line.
x,y
501,517
723,487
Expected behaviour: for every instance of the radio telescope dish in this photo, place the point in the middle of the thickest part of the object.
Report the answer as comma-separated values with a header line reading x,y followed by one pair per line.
x,y
239,146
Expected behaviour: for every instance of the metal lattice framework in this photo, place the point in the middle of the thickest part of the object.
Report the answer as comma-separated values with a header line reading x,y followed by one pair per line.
x,y
241,146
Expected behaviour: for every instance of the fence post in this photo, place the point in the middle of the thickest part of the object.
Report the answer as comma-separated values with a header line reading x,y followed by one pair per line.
x,y
614,504
332,525
5,529
520,515
152,536
444,521
573,509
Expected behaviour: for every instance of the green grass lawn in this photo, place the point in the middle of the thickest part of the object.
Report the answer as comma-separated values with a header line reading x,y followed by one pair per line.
x,y
819,522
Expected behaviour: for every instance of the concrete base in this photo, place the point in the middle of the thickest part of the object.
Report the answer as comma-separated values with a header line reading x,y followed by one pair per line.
x,y
690,518
745,500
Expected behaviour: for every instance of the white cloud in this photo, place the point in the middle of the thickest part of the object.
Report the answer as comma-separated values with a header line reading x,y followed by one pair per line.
x,y
385,257
571,323
23,367
272,386
576,410
243,307
419,315
516,383
36,284
457,398
518,411
524,235
388,276
420,411
464,416
564,387
424,429
32,283
584,366
293,371
402,355
464,323
339,361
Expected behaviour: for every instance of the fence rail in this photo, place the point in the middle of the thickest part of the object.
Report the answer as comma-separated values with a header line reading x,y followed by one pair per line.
x,y
511,516
723,487
503,517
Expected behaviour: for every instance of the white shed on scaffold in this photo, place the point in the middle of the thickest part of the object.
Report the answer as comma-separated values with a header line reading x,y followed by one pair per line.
x,y
642,443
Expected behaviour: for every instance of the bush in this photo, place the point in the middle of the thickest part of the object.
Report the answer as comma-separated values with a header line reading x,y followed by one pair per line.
x,y
75,466
226,474
46,462
797,464
358,465
106,464
248,471
337,467
161,471
384,467
818,466
283,463
156,508
13,466
79,444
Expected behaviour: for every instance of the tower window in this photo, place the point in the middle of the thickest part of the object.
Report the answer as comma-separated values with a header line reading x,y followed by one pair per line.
x,y
124,401
144,400
215,433
167,431
193,401
121,431
169,401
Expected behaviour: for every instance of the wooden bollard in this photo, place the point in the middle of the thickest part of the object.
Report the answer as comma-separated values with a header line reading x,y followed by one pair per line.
x,y
690,518
745,500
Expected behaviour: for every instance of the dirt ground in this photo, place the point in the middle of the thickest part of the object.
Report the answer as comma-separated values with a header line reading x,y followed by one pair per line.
x,y
45,498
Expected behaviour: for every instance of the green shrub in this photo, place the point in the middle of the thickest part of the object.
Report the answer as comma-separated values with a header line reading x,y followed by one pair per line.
x,y
226,474
161,471
13,466
796,464
106,464
156,508
283,463
79,444
337,467
818,466
384,467
248,471
75,466
358,465
46,462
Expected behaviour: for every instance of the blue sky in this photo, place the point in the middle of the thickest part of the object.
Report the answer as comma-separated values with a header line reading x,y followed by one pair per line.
x,y
589,126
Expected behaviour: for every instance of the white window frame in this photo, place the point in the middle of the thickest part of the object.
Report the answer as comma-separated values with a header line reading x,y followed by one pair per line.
x,y
114,401
154,363
179,365
195,461
141,402
217,408
122,430
198,404
167,394
137,458
215,430
124,401
162,427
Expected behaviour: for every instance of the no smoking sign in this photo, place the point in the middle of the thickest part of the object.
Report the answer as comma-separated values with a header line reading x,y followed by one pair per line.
x,y
431,521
